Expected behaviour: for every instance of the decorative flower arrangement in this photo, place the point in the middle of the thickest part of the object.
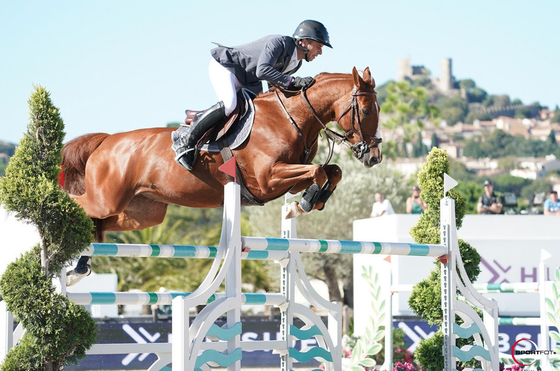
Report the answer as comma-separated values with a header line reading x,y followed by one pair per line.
x,y
510,367
407,366
403,355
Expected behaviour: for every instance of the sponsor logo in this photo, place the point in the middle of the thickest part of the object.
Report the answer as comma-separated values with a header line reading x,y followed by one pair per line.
x,y
524,353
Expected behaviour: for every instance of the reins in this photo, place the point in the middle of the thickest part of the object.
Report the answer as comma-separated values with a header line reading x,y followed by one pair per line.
x,y
306,150
332,136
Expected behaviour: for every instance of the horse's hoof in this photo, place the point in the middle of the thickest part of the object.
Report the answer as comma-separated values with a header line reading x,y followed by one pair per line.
x,y
310,197
305,205
293,211
73,277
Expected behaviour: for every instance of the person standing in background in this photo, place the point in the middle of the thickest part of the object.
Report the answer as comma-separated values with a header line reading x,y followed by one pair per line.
x,y
552,204
414,204
381,206
488,203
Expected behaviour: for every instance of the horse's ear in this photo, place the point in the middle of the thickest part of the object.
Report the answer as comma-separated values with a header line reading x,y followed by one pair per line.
x,y
357,78
368,77
367,74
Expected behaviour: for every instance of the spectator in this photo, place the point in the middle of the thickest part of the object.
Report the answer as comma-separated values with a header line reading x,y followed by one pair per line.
x,y
414,204
488,203
381,206
552,204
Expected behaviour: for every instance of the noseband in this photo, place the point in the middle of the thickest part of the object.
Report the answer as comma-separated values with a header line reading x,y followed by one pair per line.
x,y
361,148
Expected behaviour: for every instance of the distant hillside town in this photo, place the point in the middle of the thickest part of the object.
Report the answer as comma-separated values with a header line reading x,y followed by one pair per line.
x,y
469,116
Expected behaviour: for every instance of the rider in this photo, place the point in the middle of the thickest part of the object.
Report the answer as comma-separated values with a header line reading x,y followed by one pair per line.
x,y
273,59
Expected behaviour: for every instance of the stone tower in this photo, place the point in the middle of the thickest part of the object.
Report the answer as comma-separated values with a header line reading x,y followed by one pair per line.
x,y
446,77
404,69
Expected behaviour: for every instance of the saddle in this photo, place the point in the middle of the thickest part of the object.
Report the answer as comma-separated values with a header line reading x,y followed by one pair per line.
x,y
232,131
223,137
221,128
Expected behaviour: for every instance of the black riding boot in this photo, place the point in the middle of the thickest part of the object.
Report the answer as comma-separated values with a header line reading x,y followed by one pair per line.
x,y
201,124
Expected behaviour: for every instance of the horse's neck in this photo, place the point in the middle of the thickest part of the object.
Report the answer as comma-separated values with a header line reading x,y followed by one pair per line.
x,y
325,95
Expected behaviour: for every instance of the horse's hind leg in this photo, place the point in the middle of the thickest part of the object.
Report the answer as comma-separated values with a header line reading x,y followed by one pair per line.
x,y
141,213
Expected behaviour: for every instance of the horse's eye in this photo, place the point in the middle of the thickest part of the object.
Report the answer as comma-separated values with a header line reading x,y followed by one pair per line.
x,y
365,111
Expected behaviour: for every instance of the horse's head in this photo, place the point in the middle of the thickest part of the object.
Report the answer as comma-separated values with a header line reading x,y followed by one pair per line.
x,y
360,119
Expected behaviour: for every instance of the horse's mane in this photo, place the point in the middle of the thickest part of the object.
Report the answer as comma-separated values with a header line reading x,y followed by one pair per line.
x,y
318,79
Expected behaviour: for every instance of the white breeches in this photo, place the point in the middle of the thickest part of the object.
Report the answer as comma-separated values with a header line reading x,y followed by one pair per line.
x,y
225,85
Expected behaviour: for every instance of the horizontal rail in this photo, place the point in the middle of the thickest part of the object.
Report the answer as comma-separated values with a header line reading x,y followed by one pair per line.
x,y
171,251
520,321
162,298
488,288
520,287
342,247
125,348
165,348
263,248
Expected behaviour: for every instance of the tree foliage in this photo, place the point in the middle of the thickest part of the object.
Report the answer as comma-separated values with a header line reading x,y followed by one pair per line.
x,y
425,299
500,144
556,117
453,109
58,331
405,107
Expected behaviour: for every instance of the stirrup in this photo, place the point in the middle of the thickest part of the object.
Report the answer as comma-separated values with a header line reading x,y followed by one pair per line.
x,y
184,159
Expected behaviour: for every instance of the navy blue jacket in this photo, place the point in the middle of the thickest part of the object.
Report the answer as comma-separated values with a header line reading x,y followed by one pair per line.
x,y
264,59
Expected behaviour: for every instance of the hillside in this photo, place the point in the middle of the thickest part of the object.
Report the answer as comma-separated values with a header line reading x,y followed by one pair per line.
x,y
6,151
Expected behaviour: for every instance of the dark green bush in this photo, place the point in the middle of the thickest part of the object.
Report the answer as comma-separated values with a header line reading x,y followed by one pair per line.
x,y
425,299
58,331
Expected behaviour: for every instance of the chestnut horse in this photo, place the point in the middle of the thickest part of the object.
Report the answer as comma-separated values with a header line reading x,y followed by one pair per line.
x,y
126,181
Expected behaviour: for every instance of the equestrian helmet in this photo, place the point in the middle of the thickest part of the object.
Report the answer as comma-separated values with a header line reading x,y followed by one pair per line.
x,y
313,30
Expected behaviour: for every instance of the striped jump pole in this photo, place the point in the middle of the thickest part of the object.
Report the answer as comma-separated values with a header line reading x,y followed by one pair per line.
x,y
172,251
342,247
520,321
506,287
164,298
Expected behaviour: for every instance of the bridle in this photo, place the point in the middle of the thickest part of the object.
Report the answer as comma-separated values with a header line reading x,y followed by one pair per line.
x,y
358,149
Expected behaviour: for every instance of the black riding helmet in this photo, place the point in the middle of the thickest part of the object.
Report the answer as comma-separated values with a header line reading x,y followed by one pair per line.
x,y
313,30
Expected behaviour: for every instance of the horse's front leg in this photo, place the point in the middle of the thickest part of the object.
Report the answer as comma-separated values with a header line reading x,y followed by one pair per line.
x,y
318,182
334,175
315,197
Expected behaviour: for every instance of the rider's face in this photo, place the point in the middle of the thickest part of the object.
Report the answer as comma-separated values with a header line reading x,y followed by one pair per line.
x,y
315,48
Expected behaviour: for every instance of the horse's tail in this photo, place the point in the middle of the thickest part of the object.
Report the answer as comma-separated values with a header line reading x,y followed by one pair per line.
x,y
75,155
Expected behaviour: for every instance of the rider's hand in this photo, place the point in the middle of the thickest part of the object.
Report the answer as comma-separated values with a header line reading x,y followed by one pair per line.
x,y
299,83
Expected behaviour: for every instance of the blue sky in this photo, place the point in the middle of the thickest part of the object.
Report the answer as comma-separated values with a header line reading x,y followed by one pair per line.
x,y
121,65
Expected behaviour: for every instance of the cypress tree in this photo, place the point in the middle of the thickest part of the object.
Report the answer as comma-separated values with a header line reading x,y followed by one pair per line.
x,y
425,299
58,331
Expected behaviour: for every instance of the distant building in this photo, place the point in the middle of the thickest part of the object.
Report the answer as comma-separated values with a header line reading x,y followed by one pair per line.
x,y
445,84
511,126
454,150
536,168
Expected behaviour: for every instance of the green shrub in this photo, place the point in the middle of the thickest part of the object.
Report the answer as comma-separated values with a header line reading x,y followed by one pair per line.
x,y
57,331
425,299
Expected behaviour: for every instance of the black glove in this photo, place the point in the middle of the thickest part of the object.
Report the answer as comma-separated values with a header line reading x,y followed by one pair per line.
x,y
299,83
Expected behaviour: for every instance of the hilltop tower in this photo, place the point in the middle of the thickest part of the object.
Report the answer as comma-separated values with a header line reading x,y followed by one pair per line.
x,y
404,69
446,78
